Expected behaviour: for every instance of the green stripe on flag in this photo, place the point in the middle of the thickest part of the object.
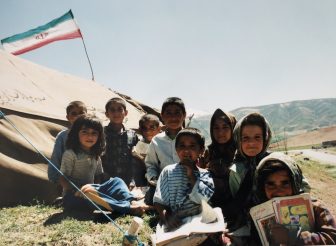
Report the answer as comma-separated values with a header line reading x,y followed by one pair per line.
x,y
39,29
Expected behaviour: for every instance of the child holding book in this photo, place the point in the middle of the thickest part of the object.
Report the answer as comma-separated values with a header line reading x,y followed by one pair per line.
x,y
278,175
182,186
161,151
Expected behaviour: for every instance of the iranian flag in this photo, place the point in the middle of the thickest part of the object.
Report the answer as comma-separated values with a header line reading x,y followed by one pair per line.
x,y
61,28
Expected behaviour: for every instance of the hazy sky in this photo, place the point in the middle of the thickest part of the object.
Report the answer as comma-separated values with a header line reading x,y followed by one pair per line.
x,y
212,54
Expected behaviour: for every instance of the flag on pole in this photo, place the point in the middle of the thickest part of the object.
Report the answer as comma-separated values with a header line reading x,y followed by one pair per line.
x,y
61,28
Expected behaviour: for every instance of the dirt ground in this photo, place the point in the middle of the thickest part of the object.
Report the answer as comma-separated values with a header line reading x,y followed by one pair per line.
x,y
311,138
322,183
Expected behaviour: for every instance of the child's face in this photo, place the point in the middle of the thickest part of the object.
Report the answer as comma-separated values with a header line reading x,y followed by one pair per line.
x,y
116,113
74,113
173,117
88,137
149,129
221,131
188,149
278,184
252,141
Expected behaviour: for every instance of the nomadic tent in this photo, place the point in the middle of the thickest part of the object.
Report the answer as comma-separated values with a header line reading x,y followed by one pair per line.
x,y
34,99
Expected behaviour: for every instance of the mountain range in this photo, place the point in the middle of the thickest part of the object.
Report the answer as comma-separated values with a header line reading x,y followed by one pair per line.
x,y
286,119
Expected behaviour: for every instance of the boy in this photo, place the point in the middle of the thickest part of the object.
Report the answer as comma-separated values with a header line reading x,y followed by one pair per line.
x,y
73,111
278,175
182,186
161,151
118,160
149,126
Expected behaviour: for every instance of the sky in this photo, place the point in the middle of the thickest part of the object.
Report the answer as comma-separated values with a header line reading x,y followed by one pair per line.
x,y
211,53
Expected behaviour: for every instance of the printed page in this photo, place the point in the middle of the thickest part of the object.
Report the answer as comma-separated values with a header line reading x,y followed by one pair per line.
x,y
192,225
295,211
263,216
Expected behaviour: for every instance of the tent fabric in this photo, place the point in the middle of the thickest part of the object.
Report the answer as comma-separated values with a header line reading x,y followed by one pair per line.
x,y
34,98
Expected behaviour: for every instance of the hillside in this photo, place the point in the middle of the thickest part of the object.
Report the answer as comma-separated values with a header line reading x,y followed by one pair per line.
x,y
314,137
290,118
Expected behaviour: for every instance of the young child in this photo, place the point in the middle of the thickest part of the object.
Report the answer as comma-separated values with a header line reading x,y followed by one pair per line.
x,y
182,186
73,111
118,160
81,164
278,175
222,147
149,126
219,155
252,136
161,151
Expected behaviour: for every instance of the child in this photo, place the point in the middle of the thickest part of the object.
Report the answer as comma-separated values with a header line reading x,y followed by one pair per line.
x,y
118,160
149,126
81,164
73,111
161,151
219,155
252,136
182,186
278,175
222,148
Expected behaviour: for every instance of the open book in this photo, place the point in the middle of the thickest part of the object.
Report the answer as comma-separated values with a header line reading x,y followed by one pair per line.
x,y
289,211
194,229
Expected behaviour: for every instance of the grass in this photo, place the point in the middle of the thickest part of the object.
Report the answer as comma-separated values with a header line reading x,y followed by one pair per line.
x,y
311,168
322,179
47,225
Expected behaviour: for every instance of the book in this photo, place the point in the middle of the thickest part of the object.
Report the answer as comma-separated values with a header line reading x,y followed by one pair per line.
x,y
193,231
290,211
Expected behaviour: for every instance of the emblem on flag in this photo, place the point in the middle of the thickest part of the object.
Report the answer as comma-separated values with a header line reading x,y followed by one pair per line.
x,y
61,28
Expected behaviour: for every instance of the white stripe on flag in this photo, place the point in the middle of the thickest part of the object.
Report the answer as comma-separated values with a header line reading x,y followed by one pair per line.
x,y
64,30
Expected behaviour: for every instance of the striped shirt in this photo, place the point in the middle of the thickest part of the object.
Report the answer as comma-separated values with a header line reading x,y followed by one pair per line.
x,y
80,168
174,189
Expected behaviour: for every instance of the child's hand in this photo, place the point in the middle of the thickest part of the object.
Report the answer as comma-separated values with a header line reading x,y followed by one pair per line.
x,y
279,234
153,181
190,166
171,221
282,235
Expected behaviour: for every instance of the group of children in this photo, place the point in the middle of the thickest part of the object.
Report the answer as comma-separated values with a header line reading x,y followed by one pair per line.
x,y
235,172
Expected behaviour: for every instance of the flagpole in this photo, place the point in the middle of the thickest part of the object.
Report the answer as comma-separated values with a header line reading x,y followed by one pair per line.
x,y
87,57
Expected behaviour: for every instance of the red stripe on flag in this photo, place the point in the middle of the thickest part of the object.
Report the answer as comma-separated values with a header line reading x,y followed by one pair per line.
x,y
72,35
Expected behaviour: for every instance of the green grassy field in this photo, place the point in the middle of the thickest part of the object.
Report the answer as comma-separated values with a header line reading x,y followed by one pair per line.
x,y
47,225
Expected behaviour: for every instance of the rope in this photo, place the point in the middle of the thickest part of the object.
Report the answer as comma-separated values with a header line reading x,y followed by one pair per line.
x,y
3,116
